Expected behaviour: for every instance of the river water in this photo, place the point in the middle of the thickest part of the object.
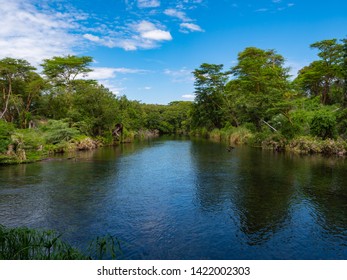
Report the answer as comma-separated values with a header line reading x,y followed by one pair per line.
x,y
186,199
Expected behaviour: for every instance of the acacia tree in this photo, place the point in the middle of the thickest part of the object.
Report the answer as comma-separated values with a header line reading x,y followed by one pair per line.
x,y
260,82
324,77
208,107
62,73
12,72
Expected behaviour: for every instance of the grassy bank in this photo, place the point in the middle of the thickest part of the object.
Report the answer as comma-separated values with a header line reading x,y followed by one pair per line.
x,y
268,139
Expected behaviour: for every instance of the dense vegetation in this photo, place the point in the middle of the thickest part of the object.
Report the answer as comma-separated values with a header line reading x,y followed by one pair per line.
x,y
254,102
257,102
60,110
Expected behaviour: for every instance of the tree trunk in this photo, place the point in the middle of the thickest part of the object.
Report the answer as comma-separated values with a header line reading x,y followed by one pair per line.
x,y
7,97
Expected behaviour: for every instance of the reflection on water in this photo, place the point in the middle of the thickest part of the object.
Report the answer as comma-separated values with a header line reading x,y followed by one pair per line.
x,y
186,199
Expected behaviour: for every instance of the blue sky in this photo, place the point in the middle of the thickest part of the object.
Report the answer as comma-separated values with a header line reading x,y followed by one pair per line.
x,y
147,49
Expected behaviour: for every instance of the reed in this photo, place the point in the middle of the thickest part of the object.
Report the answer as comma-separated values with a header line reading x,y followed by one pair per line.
x,y
32,244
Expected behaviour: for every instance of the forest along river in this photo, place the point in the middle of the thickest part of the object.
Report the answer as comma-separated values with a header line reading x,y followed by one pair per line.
x,y
186,199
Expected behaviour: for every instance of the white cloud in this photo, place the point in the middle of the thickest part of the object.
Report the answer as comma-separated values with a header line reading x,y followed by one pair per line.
x,y
147,88
102,73
188,96
148,30
157,35
190,27
182,75
114,87
262,10
178,14
148,3
32,34
136,35
91,37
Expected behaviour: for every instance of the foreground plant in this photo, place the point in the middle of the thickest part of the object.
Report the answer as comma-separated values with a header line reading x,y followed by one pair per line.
x,y
31,244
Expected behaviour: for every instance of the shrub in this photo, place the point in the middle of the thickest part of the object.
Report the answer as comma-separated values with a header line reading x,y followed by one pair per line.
x,y
275,141
56,131
323,124
305,145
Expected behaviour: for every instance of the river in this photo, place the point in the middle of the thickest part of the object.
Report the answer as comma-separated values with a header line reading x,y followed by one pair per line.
x,y
176,198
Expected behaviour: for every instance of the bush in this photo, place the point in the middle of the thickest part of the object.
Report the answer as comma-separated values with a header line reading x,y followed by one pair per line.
x,y
58,131
275,141
305,145
323,124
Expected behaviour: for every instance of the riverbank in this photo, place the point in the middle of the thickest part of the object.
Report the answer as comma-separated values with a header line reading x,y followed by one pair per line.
x,y
275,141
19,146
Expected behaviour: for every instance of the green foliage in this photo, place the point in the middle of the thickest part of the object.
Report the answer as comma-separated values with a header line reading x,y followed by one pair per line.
x,y
15,74
207,110
261,82
56,131
32,138
105,247
323,77
31,244
341,120
63,70
233,110
323,124
6,129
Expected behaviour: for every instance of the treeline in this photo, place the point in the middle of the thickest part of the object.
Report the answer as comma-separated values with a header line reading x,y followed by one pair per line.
x,y
60,110
256,101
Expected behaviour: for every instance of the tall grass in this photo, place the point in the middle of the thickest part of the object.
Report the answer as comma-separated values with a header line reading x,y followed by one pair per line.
x,y
231,135
31,244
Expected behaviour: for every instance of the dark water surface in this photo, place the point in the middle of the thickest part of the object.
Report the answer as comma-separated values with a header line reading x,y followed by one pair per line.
x,y
186,199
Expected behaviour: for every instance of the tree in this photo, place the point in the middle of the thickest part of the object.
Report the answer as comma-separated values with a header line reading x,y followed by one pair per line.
x,y
208,107
260,82
94,108
324,77
62,74
64,70
12,72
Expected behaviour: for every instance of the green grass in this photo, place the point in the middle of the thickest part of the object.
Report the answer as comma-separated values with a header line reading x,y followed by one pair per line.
x,y
32,244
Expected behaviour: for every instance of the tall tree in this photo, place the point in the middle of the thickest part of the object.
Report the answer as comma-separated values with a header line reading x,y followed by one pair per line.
x,y
323,77
12,71
62,74
208,105
260,82
64,70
